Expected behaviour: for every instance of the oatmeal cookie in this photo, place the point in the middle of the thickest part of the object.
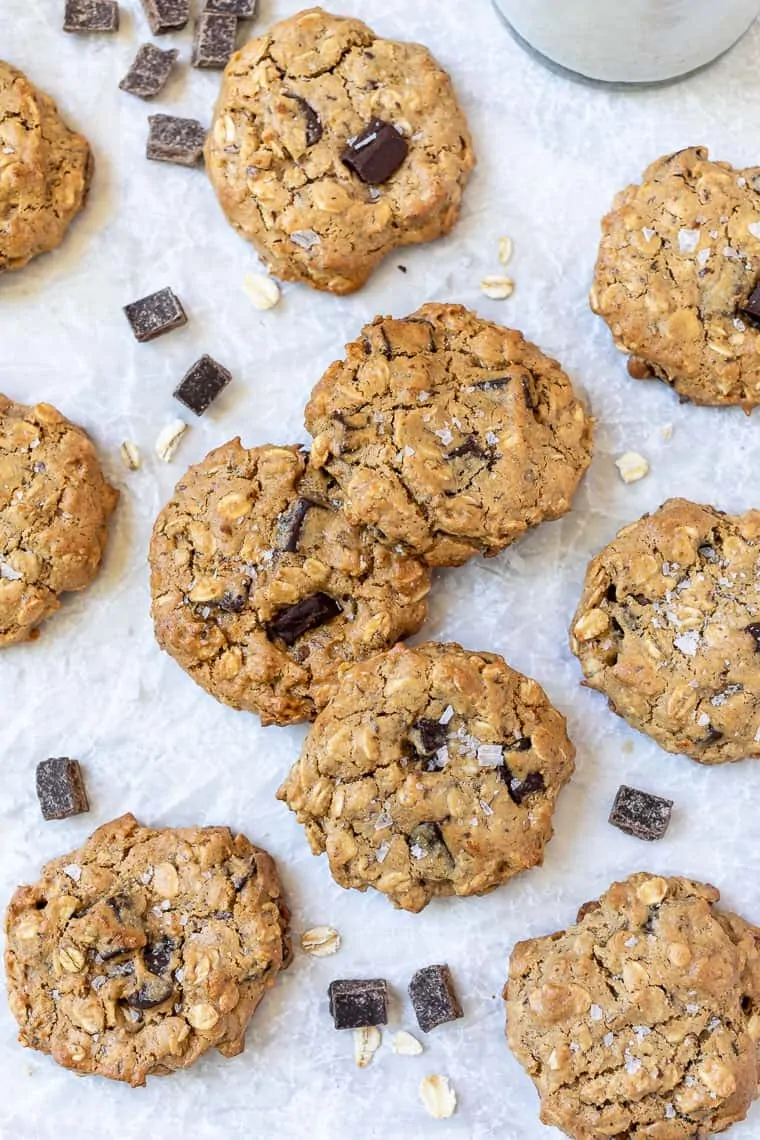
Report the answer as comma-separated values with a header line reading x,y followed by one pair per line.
x,y
678,277
432,771
45,171
262,589
449,435
54,510
642,1020
144,949
330,147
668,628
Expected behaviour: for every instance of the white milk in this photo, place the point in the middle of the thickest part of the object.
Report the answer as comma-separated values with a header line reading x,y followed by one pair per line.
x,y
630,41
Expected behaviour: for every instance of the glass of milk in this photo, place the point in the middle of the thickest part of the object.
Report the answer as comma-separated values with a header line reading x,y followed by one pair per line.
x,y
628,41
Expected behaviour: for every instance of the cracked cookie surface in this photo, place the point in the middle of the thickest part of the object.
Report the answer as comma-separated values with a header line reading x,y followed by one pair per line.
x,y
45,171
678,264
640,1022
432,771
448,434
54,510
668,628
145,948
290,103
262,589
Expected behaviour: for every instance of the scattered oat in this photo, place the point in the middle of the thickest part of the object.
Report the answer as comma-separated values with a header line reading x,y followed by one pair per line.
x,y
366,1043
321,941
505,250
438,1096
632,466
497,288
263,292
130,456
666,431
405,1044
169,440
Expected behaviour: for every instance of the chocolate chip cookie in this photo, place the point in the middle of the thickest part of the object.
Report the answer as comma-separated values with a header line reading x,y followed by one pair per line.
x,y
144,949
449,435
54,510
262,589
45,171
643,1019
432,771
678,277
330,147
668,628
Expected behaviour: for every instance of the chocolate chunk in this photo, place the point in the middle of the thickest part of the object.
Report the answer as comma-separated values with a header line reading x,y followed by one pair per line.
x,y
60,788
376,153
152,991
158,955
243,9
754,631
426,841
518,789
751,309
214,41
708,552
171,139
166,15
85,16
313,121
469,447
155,315
640,813
201,385
493,385
433,997
235,598
304,615
149,71
522,744
428,735
289,526
355,1003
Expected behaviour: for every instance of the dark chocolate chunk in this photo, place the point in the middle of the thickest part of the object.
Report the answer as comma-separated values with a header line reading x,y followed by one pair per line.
x,y
289,526
166,15
171,139
149,71
522,744
754,631
312,119
235,598
60,788
243,9
493,385
751,308
640,813
155,315
518,789
708,552
201,385
469,447
428,841
428,735
152,991
85,16
355,1003
376,153
214,41
402,268
158,955
434,997
304,615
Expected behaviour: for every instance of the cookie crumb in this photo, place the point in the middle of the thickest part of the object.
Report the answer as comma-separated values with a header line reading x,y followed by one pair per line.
x,y
367,1040
406,1044
321,941
632,466
263,292
505,250
130,456
497,288
438,1096
169,440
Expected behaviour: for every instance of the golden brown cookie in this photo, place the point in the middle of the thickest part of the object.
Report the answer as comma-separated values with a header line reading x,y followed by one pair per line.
x,y
678,277
144,949
330,147
262,589
432,771
54,510
668,628
45,171
449,435
641,1021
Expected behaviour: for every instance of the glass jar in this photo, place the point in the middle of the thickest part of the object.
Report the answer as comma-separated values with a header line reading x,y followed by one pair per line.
x,y
628,41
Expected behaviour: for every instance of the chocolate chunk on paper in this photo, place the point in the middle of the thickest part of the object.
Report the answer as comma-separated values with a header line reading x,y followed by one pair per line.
x,y
171,139
243,9
434,998
201,384
155,315
86,16
355,1003
166,15
214,41
60,788
640,814
149,72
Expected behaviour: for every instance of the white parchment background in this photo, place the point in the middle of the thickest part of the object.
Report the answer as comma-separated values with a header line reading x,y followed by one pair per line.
x,y
95,686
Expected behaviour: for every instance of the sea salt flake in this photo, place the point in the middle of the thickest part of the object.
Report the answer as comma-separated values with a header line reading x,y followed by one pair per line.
x,y
306,239
147,875
703,257
688,643
631,942
422,396
608,1039
442,756
490,755
731,253
648,233
688,240
703,719
416,851
741,181
486,808
669,1111
74,871
757,736
596,1013
632,1064
445,436
739,324
754,229
574,1047
382,850
641,1031
383,820
690,1081
713,1023
9,573
492,438
446,716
